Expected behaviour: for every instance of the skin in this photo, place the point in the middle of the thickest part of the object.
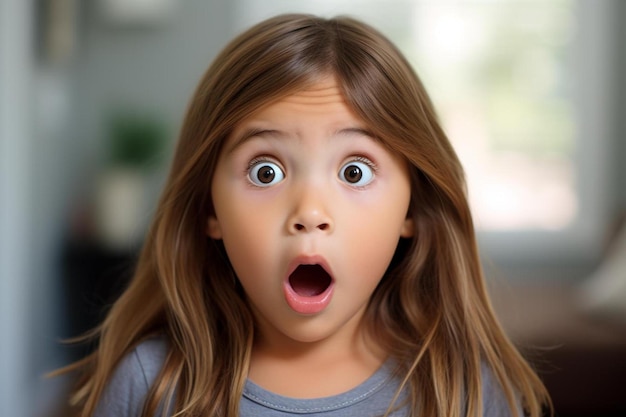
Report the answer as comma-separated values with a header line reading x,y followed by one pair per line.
x,y
309,213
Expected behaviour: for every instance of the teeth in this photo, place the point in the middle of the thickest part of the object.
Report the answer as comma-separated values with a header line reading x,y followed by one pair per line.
x,y
309,280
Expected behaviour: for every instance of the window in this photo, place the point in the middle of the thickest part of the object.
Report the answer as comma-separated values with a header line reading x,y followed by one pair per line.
x,y
520,86
499,78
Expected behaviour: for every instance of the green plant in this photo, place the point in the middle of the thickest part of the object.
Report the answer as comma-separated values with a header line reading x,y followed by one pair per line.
x,y
135,141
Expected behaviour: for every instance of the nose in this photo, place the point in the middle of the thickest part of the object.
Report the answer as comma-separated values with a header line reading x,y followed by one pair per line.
x,y
309,213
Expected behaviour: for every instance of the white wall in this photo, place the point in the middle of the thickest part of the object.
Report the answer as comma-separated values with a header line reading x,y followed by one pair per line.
x,y
52,114
16,24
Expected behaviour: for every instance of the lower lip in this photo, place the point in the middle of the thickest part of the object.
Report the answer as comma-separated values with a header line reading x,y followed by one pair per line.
x,y
308,305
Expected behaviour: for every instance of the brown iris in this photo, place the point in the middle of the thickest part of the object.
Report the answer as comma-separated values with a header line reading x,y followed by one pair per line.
x,y
352,174
266,174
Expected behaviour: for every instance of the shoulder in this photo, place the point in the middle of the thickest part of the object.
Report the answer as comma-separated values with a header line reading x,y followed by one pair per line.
x,y
149,356
494,398
126,390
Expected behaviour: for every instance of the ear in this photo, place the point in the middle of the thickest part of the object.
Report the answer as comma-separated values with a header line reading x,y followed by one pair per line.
x,y
408,228
213,228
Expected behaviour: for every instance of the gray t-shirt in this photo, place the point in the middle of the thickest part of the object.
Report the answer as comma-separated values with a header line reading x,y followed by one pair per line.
x,y
126,391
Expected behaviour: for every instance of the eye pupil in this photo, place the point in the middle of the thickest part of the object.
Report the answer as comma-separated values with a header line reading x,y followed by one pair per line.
x,y
266,174
353,173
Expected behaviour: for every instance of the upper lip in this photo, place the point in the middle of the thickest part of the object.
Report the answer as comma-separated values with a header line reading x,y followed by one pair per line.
x,y
309,260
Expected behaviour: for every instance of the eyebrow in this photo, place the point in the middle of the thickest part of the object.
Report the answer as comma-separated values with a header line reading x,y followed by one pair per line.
x,y
253,132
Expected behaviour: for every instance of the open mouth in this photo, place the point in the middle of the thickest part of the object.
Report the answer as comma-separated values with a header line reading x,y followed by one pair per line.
x,y
309,280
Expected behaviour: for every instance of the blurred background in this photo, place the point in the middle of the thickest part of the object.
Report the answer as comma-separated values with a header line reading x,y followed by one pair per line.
x,y
531,93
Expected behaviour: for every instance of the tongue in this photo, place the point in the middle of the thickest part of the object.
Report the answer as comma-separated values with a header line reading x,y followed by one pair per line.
x,y
309,280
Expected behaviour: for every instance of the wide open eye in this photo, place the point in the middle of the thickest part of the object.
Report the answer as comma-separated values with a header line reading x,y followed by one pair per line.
x,y
357,173
265,173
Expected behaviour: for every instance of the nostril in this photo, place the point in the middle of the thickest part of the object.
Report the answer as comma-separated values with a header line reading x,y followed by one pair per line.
x,y
300,227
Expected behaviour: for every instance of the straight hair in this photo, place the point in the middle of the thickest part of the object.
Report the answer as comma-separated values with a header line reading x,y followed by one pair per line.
x,y
431,308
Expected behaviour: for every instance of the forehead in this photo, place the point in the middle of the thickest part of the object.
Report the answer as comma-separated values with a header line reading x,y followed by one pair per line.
x,y
321,93
319,105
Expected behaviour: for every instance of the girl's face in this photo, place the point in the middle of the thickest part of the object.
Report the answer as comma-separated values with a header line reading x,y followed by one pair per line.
x,y
310,207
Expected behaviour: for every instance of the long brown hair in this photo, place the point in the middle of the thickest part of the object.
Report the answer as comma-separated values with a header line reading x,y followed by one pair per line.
x,y
431,307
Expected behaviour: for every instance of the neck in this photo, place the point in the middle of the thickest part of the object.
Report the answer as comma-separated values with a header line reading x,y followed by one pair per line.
x,y
313,369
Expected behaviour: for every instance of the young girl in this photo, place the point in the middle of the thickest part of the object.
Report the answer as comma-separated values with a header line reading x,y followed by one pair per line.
x,y
312,253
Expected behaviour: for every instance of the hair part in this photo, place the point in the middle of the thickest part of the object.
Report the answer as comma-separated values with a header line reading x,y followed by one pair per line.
x,y
431,308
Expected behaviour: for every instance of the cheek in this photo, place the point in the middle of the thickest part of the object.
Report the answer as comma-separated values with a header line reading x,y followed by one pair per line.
x,y
374,249
247,258
372,239
382,227
243,234
247,234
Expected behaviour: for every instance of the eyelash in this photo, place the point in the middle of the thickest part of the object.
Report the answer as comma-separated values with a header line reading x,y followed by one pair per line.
x,y
355,160
365,160
254,162
258,160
